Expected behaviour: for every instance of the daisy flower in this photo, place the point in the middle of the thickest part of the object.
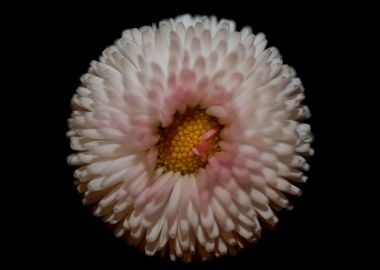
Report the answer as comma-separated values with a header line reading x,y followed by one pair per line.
x,y
188,135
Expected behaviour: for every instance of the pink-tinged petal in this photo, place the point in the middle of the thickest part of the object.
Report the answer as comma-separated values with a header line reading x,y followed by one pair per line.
x,y
151,160
202,150
209,134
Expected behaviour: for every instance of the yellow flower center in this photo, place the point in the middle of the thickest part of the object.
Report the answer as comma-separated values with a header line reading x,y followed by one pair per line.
x,y
185,145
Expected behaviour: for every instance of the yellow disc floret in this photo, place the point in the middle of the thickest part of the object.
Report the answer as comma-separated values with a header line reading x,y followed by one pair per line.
x,y
177,148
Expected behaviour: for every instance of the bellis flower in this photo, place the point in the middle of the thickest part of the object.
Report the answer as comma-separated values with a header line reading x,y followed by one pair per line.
x,y
188,135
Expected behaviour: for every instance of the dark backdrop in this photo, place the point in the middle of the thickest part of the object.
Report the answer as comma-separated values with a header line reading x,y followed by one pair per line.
x,y
308,37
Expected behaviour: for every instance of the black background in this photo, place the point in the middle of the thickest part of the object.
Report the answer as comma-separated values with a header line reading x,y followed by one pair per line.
x,y
318,232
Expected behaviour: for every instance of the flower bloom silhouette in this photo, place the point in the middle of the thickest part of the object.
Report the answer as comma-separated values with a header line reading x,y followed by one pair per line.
x,y
188,134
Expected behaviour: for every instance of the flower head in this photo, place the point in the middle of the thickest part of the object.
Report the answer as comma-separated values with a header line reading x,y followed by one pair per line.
x,y
188,134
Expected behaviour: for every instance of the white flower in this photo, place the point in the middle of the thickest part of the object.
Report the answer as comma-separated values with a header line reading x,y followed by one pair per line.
x,y
188,134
